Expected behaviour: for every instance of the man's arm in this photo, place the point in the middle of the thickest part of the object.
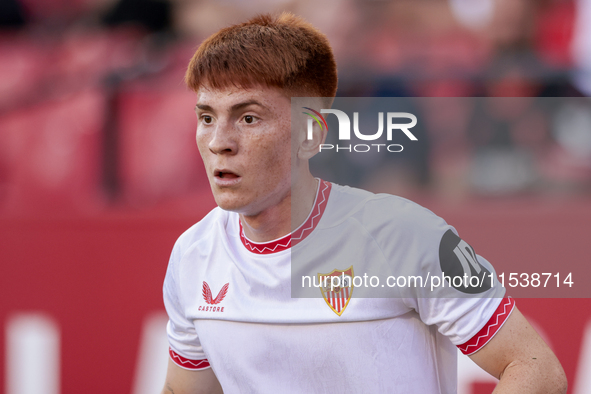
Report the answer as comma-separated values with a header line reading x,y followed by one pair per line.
x,y
184,381
521,360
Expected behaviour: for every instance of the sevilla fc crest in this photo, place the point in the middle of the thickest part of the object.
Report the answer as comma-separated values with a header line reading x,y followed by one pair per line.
x,y
337,288
209,297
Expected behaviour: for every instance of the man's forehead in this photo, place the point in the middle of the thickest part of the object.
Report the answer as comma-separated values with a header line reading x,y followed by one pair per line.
x,y
233,94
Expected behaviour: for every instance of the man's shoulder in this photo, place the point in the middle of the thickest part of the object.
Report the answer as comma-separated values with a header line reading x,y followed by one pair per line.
x,y
208,227
350,202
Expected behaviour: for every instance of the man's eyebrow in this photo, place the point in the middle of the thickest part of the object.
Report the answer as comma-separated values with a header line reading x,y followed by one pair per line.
x,y
203,107
235,107
239,106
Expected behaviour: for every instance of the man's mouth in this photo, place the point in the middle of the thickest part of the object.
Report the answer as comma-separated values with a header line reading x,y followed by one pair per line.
x,y
226,175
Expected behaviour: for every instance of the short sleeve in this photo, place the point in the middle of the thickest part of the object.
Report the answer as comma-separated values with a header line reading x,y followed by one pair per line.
x,y
462,295
458,309
185,348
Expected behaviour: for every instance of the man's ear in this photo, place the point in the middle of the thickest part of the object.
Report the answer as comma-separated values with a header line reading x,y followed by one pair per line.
x,y
310,146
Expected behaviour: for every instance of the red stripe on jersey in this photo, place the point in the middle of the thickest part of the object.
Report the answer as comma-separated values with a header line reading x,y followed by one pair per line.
x,y
333,296
297,236
490,328
266,247
316,213
186,363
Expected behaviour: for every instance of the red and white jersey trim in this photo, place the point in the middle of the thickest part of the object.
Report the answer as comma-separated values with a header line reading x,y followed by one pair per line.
x,y
494,324
193,365
298,235
315,215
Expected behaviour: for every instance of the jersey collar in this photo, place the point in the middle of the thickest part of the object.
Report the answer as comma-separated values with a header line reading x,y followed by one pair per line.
x,y
300,233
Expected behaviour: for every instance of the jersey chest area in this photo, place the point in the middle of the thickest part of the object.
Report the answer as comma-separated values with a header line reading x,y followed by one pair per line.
x,y
227,283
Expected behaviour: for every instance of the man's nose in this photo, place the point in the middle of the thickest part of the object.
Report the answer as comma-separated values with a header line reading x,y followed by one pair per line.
x,y
224,139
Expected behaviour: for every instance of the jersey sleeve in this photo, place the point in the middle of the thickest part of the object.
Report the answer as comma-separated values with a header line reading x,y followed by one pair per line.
x,y
468,315
492,326
185,349
462,295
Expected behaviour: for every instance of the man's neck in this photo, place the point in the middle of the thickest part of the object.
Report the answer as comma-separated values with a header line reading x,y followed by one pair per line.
x,y
281,219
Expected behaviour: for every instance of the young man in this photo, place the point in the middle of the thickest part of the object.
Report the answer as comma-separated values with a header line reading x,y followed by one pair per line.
x,y
233,322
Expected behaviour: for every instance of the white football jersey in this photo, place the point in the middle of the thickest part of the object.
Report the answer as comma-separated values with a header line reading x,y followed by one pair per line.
x,y
265,319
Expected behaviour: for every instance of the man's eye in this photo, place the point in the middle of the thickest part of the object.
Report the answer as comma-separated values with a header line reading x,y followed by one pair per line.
x,y
206,119
249,119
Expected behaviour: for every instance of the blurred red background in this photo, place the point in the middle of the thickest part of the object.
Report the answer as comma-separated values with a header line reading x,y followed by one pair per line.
x,y
99,172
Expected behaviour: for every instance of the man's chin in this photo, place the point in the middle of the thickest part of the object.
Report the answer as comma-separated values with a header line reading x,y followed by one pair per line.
x,y
230,205
238,207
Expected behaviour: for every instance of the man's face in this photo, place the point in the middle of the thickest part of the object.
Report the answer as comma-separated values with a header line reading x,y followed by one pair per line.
x,y
244,137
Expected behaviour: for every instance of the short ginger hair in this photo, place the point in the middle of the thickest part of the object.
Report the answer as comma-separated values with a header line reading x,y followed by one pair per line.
x,y
281,51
